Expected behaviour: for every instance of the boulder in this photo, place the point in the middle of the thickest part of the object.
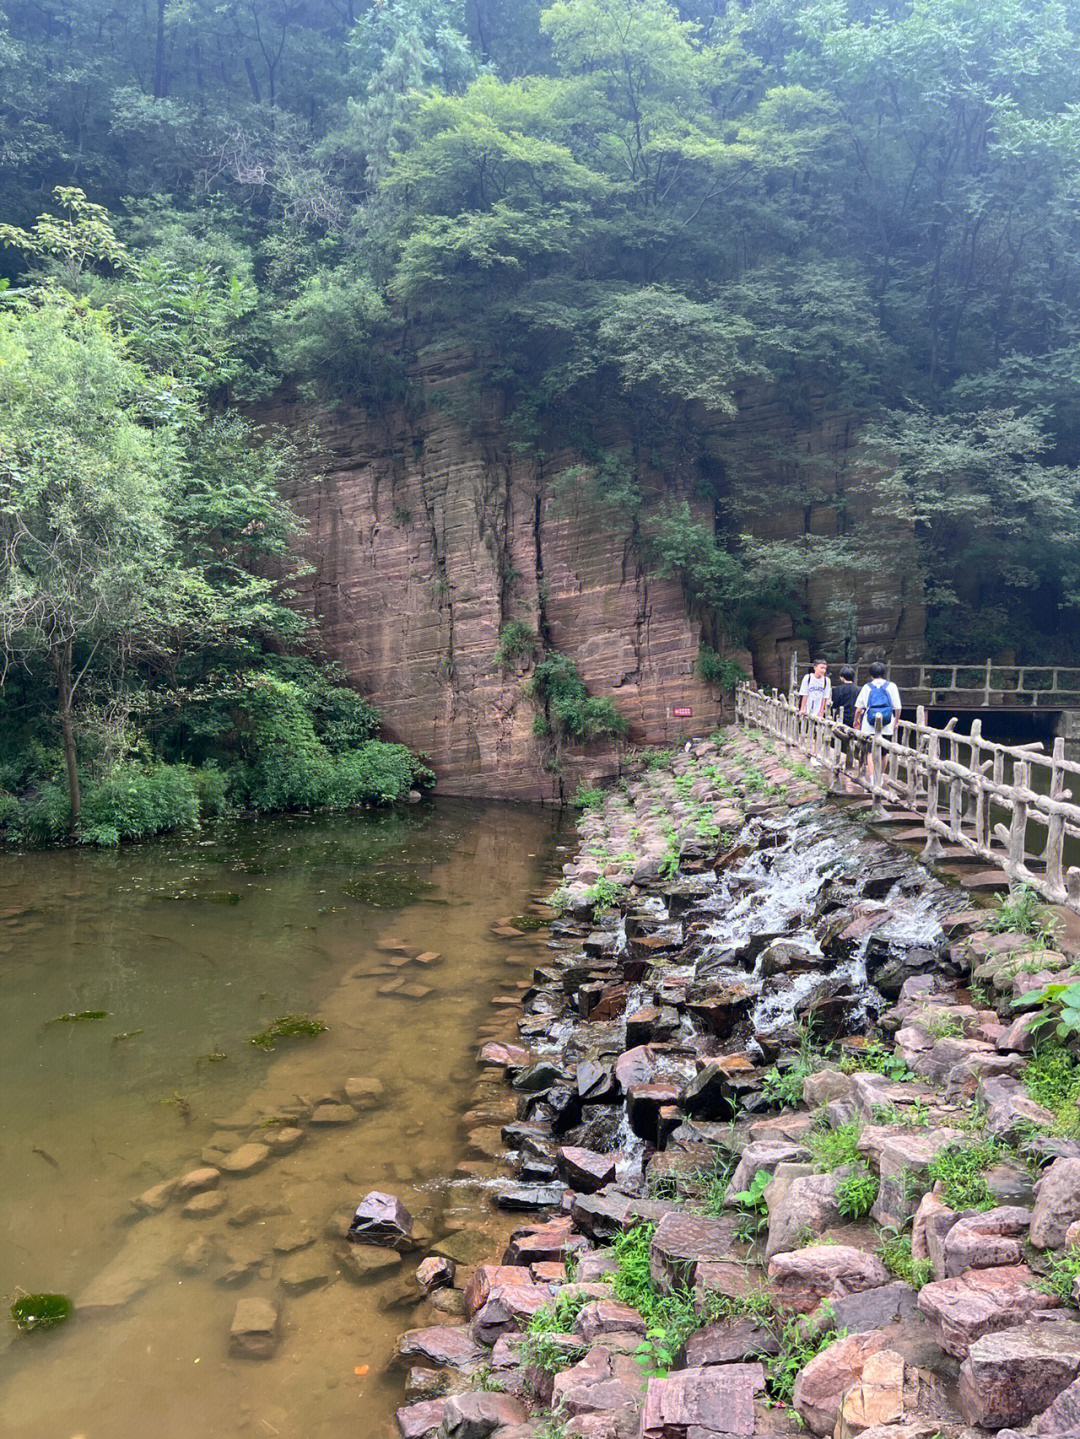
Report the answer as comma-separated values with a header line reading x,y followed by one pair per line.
x,y
759,1155
304,1271
682,1241
825,1085
381,1219
1010,1112
248,1159
930,1227
982,1301
603,1382
985,1240
820,1386
444,1346
802,1279
585,1170
157,1198
421,1421
363,1093
254,1330
605,1316
805,1205
1057,1203
904,1171
890,1391
1062,1418
1010,1376
717,1400
508,1309
478,1413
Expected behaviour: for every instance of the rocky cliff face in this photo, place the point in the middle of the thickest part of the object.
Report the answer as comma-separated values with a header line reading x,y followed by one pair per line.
x,y
430,532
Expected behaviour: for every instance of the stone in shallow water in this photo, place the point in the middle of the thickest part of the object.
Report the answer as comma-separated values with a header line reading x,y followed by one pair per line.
x,y
382,1219
154,1200
329,1114
197,1180
284,1140
248,1159
362,1093
253,1334
364,1262
434,1273
305,1271
198,1254
202,1206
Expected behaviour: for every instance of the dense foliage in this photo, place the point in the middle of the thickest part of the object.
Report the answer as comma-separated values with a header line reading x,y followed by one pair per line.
x,y
640,214
145,564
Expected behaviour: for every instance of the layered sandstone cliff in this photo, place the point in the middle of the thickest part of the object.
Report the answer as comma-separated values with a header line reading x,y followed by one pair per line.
x,y
428,532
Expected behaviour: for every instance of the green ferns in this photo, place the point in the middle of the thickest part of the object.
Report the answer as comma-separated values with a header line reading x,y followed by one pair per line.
x,y
569,713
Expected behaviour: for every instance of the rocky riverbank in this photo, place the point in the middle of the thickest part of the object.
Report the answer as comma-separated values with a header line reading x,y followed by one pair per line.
x,y
792,1159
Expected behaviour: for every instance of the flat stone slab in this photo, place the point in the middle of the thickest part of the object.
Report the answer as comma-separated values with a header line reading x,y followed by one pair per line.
x,y
682,1241
1010,1376
982,1301
198,1180
446,1346
333,1114
702,1402
419,1421
254,1330
730,1341
248,1159
205,1205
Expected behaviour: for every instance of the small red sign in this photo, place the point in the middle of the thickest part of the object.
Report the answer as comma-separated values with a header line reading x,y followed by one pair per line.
x,y
682,711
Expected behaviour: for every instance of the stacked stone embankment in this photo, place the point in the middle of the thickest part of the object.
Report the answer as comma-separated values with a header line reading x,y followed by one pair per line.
x,y
778,1147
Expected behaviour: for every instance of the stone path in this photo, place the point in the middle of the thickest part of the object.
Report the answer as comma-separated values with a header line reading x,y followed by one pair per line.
x,y
769,1193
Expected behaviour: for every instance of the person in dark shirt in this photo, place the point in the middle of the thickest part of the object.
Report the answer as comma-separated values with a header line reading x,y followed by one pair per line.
x,y
844,694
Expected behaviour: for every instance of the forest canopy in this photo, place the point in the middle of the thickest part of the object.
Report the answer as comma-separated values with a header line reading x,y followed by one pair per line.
x,y
651,206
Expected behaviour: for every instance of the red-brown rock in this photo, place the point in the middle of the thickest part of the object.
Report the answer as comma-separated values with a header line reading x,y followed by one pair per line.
x,y
1010,1376
982,1301
718,1400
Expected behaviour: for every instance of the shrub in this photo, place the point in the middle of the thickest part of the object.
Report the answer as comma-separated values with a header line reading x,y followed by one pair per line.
x,y
516,642
894,1251
132,803
1052,1078
570,711
718,670
960,1171
586,797
856,1192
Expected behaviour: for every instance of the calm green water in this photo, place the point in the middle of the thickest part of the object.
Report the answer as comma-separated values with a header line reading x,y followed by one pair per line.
x,y
192,946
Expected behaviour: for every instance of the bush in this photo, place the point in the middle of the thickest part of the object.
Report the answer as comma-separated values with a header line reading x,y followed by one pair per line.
x,y
516,641
569,710
718,670
133,803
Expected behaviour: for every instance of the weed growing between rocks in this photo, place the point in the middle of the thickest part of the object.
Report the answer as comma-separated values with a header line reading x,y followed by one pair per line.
x,y
1052,1079
894,1251
833,1148
1023,911
538,1350
960,1170
856,1192
1061,1272
797,1348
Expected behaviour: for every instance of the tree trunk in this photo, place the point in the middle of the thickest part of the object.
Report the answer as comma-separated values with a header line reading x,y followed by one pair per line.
x,y
61,659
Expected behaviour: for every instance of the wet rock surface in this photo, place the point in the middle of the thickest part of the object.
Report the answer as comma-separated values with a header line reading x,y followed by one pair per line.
x,y
736,1158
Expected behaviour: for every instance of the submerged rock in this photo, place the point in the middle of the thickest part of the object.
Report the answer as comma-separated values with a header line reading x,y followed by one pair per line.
x,y
381,1219
254,1330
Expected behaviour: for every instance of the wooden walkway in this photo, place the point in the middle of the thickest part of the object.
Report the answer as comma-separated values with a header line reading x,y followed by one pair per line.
x,y
1013,806
963,686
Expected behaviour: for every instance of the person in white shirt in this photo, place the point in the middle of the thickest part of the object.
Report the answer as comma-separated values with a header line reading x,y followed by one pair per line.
x,y
815,692
878,699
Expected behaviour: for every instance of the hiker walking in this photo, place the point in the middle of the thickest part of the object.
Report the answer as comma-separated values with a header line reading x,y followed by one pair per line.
x,y
815,692
844,696
879,699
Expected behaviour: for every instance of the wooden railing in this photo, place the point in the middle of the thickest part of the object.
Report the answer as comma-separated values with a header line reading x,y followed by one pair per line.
x,y
971,686
1012,805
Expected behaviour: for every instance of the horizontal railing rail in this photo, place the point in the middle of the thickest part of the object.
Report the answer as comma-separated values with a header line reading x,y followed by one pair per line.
x,y
1012,805
973,685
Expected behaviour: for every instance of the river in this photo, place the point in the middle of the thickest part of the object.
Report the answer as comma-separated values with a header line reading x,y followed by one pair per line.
x,y
192,945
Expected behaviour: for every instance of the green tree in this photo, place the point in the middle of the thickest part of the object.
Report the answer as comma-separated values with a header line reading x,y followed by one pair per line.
x,y
86,546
